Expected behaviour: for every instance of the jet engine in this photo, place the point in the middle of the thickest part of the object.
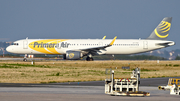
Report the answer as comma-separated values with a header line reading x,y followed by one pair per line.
x,y
73,55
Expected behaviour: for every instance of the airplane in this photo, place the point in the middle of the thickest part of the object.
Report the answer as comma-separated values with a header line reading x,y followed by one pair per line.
x,y
73,49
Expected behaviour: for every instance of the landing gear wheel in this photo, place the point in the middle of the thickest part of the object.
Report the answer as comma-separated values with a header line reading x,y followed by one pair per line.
x,y
89,59
25,60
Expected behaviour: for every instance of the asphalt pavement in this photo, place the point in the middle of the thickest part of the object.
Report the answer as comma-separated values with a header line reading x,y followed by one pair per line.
x,y
80,91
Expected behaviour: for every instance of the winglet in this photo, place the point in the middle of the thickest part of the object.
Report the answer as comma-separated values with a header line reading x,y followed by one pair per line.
x,y
112,42
104,37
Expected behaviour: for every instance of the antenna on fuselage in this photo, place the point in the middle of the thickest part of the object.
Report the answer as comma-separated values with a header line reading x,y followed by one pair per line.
x,y
26,38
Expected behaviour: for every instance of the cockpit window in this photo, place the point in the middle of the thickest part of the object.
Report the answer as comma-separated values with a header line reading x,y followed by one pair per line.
x,y
15,44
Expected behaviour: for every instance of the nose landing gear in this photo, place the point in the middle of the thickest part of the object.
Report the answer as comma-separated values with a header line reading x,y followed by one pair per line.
x,y
25,58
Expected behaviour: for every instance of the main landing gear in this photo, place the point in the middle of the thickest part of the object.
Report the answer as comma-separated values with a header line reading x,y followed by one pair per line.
x,y
89,58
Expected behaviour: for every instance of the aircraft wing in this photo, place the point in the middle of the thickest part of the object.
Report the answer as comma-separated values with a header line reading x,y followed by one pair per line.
x,y
95,49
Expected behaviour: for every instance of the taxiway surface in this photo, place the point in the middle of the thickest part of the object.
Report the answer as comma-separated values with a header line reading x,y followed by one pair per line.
x,y
80,91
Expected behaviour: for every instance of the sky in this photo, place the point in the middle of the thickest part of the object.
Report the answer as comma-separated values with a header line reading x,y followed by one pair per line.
x,y
83,19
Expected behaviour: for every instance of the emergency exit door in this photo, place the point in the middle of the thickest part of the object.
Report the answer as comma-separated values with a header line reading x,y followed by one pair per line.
x,y
100,43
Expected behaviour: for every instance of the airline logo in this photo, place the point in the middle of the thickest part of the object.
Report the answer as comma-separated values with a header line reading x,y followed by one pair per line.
x,y
162,31
71,55
48,46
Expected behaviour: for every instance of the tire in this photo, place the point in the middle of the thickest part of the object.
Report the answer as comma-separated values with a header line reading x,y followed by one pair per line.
x,y
91,59
87,59
24,60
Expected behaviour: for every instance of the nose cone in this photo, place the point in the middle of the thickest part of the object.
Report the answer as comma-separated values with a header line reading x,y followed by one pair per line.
x,y
9,49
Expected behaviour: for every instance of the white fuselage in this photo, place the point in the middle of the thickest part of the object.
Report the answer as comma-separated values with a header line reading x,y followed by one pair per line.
x,y
60,46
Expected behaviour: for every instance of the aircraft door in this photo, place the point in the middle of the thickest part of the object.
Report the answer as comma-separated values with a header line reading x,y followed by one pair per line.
x,y
25,44
100,43
145,45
